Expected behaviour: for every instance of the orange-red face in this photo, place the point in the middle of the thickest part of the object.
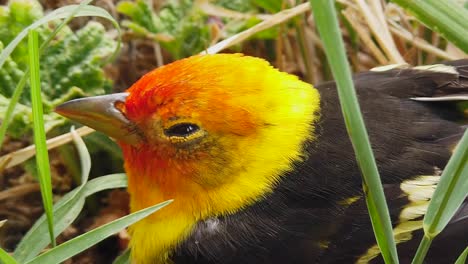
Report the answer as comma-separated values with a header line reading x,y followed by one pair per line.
x,y
194,115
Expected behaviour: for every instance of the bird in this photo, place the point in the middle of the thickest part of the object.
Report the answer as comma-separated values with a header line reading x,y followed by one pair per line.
x,y
260,167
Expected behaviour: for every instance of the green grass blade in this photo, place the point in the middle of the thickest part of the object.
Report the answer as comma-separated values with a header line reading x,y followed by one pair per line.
x,y
11,106
422,250
450,193
85,158
42,156
462,259
327,24
124,258
65,211
5,258
451,190
445,17
69,207
67,12
82,242
111,181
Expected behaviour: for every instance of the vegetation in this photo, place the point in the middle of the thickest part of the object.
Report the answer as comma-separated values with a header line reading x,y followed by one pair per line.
x,y
71,66
64,61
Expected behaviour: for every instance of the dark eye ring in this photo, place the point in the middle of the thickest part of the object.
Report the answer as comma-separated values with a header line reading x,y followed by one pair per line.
x,y
181,130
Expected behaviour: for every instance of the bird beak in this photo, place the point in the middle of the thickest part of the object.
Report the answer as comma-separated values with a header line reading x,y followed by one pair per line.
x,y
102,114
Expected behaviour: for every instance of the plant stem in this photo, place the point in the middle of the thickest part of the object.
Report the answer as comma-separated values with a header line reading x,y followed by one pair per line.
x,y
422,250
327,25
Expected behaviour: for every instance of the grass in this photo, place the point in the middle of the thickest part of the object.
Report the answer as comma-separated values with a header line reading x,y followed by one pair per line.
x,y
84,241
453,187
67,13
70,205
384,38
441,17
42,157
449,195
327,24
463,257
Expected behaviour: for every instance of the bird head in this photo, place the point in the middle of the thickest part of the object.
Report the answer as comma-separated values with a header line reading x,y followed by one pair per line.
x,y
213,132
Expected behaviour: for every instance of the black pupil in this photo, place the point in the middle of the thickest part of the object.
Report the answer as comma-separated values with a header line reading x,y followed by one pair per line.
x,y
182,130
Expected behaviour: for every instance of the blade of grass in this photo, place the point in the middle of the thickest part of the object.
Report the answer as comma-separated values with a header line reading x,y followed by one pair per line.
x,y
42,157
445,17
65,211
327,24
82,242
11,106
422,249
67,12
449,195
462,259
69,207
124,258
85,158
6,258
451,190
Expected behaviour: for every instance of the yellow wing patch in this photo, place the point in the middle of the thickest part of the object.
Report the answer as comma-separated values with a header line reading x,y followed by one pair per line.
x,y
419,192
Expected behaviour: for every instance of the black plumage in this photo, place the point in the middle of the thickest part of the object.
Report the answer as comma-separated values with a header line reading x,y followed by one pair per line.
x,y
317,214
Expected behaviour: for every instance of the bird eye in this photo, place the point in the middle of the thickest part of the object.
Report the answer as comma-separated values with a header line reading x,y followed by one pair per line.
x,y
181,130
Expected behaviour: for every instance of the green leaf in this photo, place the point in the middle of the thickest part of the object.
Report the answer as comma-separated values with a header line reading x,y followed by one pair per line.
x,y
59,13
42,156
76,60
72,59
462,259
13,19
10,75
87,240
450,193
451,190
181,20
66,12
21,122
85,158
327,25
5,258
445,17
140,12
68,208
237,5
65,211
124,258
272,6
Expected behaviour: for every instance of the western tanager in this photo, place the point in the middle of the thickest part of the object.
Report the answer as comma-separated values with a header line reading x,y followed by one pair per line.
x,y
260,166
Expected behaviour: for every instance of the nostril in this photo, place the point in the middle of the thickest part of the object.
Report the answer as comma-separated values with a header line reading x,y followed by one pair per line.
x,y
119,105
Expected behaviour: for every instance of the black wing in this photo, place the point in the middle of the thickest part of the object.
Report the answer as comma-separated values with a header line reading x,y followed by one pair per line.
x,y
317,213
